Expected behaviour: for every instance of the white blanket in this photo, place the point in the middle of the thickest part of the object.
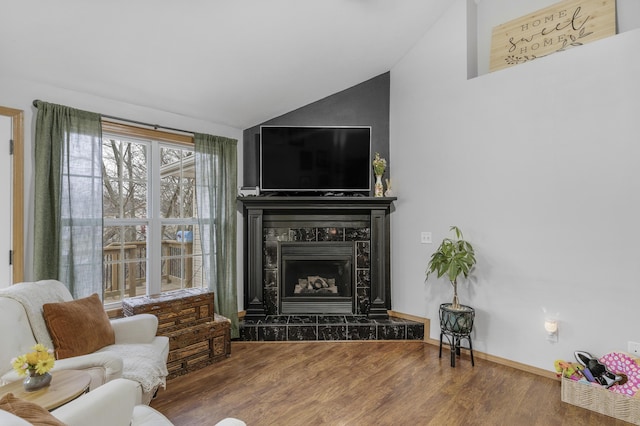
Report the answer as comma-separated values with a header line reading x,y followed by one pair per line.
x,y
141,363
32,296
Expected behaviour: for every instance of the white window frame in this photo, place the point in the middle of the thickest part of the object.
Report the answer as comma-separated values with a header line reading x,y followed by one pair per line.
x,y
154,222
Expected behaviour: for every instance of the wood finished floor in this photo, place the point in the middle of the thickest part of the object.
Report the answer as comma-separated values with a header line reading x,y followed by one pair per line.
x,y
364,383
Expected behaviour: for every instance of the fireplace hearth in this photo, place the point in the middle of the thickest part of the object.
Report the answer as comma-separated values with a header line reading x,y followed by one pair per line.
x,y
329,328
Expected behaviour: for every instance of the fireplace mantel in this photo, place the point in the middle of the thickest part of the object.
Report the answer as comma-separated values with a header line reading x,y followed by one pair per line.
x,y
327,211
306,202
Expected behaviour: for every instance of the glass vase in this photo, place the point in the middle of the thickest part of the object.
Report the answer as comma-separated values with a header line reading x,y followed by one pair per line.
x,y
35,381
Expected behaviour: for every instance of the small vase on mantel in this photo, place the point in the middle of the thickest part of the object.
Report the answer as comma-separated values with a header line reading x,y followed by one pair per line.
x,y
379,166
389,191
35,381
378,188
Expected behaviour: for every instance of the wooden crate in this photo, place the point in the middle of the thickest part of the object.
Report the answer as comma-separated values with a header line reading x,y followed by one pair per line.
x,y
196,346
173,309
601,400
197,336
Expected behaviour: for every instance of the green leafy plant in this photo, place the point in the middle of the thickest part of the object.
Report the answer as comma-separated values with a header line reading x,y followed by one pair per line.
x,y
453,258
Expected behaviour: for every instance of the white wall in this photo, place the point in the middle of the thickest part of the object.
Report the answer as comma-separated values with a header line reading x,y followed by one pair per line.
x,y
20,94
538,164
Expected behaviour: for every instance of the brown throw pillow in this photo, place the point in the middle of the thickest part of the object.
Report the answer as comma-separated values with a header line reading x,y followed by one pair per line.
x,y
78,327
28,411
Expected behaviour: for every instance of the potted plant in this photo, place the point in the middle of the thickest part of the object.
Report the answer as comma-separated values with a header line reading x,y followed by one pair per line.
x,y
453,258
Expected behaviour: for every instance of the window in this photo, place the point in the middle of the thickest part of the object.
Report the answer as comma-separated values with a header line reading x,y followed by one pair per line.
x,y
150,230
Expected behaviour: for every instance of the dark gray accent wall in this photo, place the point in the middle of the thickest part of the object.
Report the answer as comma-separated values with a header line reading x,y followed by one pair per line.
x,y
366,104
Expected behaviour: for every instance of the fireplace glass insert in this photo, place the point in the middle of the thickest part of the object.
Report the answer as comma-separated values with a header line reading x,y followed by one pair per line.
x,y
316,278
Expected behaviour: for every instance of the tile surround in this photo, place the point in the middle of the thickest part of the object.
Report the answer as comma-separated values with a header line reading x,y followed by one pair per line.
x,y
270,220
272,235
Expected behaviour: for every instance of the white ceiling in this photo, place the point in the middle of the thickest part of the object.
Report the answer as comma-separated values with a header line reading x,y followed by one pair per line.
x,y
233,62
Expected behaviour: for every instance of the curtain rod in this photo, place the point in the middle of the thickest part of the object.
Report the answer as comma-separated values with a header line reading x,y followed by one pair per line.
x,y
141,123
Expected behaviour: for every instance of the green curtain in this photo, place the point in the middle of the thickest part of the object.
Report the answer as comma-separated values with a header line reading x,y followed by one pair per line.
x,y
68,198
216,192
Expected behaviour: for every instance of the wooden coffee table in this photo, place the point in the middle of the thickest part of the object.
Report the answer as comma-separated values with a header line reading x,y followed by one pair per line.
x,y
66,385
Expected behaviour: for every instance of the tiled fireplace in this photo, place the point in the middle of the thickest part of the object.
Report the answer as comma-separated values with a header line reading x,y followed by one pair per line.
x,y
317,268
357,226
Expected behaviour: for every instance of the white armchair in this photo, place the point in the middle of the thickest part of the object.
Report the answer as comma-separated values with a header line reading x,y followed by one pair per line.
x,y
110,405
132,356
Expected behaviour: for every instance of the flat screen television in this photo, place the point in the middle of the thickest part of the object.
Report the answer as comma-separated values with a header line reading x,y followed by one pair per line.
x,y
315,159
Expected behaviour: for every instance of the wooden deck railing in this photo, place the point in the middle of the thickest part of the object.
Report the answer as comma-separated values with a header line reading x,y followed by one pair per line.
x,y
177,266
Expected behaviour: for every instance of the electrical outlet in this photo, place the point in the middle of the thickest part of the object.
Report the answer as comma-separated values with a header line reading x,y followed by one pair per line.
x,y
425,237
633,348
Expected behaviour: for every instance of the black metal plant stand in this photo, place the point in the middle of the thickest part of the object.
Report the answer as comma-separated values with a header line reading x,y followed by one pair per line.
x,y
456,325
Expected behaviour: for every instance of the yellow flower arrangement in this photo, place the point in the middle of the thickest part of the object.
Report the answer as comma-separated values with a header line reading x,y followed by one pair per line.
x,y
379,165
40,361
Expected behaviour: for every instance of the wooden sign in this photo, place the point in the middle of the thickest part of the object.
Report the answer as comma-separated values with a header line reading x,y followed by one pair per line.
x,y
556,28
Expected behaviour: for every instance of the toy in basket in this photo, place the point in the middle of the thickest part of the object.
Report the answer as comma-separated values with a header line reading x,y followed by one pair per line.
x,y
609,385
597,372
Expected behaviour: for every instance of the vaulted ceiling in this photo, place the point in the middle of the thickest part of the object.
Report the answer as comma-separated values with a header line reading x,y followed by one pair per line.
x,y
233,62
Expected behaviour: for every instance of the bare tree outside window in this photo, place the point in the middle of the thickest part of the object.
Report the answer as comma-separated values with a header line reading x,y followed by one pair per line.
x,y
150,228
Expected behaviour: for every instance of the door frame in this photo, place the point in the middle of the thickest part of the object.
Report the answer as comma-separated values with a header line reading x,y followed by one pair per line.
x,y
17,216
